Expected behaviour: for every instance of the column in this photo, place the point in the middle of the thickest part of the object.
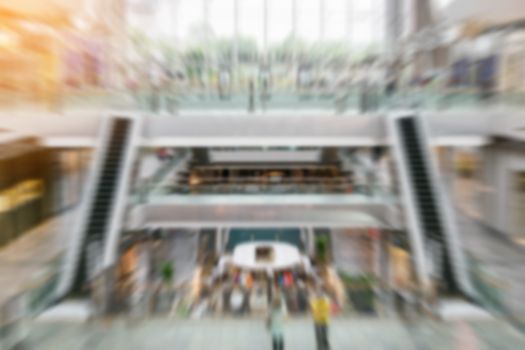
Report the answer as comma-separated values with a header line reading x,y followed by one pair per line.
x,y
142,294
235,54
218,240
265,30
375,236
311,241
349,22
393,26
225,238
385,275
322,17
206,21
294,37
447,168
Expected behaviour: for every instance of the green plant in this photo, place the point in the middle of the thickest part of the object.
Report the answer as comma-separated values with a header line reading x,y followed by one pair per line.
x,y
321,245
362,281
167,272
360,290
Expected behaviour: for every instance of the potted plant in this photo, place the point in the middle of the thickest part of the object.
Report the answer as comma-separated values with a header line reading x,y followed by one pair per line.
x,y
360,291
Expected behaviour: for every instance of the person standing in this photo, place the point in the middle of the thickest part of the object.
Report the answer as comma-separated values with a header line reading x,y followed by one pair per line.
x,y
320,306
275,323
237,300
224,84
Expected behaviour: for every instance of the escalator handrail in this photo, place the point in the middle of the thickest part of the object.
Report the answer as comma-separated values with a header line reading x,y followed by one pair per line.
x,y
408,198
73,253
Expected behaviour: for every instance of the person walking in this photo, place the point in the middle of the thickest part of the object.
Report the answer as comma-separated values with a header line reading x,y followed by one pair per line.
x,y
320,306
275,323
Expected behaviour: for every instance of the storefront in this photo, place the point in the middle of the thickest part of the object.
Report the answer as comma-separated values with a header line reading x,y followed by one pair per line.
x,y
25,188
37,183
70,168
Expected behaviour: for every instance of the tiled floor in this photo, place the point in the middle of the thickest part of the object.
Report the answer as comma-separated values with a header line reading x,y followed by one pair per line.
x,y
362,334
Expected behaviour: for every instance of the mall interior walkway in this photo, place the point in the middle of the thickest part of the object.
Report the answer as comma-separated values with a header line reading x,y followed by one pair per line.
x,y
231,334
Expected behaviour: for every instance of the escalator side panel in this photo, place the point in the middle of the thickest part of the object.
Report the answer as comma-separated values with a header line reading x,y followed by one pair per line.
x,y
430,206
96,211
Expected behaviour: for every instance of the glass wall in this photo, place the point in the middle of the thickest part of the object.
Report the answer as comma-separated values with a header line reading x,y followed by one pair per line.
x,y
37,183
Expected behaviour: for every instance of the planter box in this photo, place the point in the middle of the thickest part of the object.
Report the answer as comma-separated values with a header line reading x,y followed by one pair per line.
x,y
363,300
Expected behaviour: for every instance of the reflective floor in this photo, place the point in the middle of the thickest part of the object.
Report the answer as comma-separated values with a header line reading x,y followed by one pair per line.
x,y
231,334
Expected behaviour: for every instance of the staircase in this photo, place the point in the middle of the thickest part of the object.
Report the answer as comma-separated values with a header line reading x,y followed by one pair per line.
x,y
430,216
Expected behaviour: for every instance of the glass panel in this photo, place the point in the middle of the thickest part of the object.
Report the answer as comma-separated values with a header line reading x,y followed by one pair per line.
x,y
222,18
190,19
335,19
308,20
279,20
251,19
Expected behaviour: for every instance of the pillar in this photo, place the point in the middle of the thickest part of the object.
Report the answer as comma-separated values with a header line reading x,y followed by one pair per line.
x,y
385,274
311,241
219,241
235,55
447,167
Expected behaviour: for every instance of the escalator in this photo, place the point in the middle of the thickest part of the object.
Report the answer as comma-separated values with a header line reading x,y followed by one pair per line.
x,y
101,212
430,214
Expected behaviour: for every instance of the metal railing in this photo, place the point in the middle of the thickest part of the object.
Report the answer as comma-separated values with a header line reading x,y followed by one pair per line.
x,y
20,308
153,182
362,98
280,188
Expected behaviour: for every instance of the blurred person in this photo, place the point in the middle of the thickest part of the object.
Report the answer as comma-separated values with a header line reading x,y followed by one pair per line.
x,y
302,297
320,307
391,81
304,80
460,73
248,281
170,90
224,84
165,154
331,77
258,300
486,71
363,83
133,86
269,285
265,82
237,300
156,80
251,96
275,323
